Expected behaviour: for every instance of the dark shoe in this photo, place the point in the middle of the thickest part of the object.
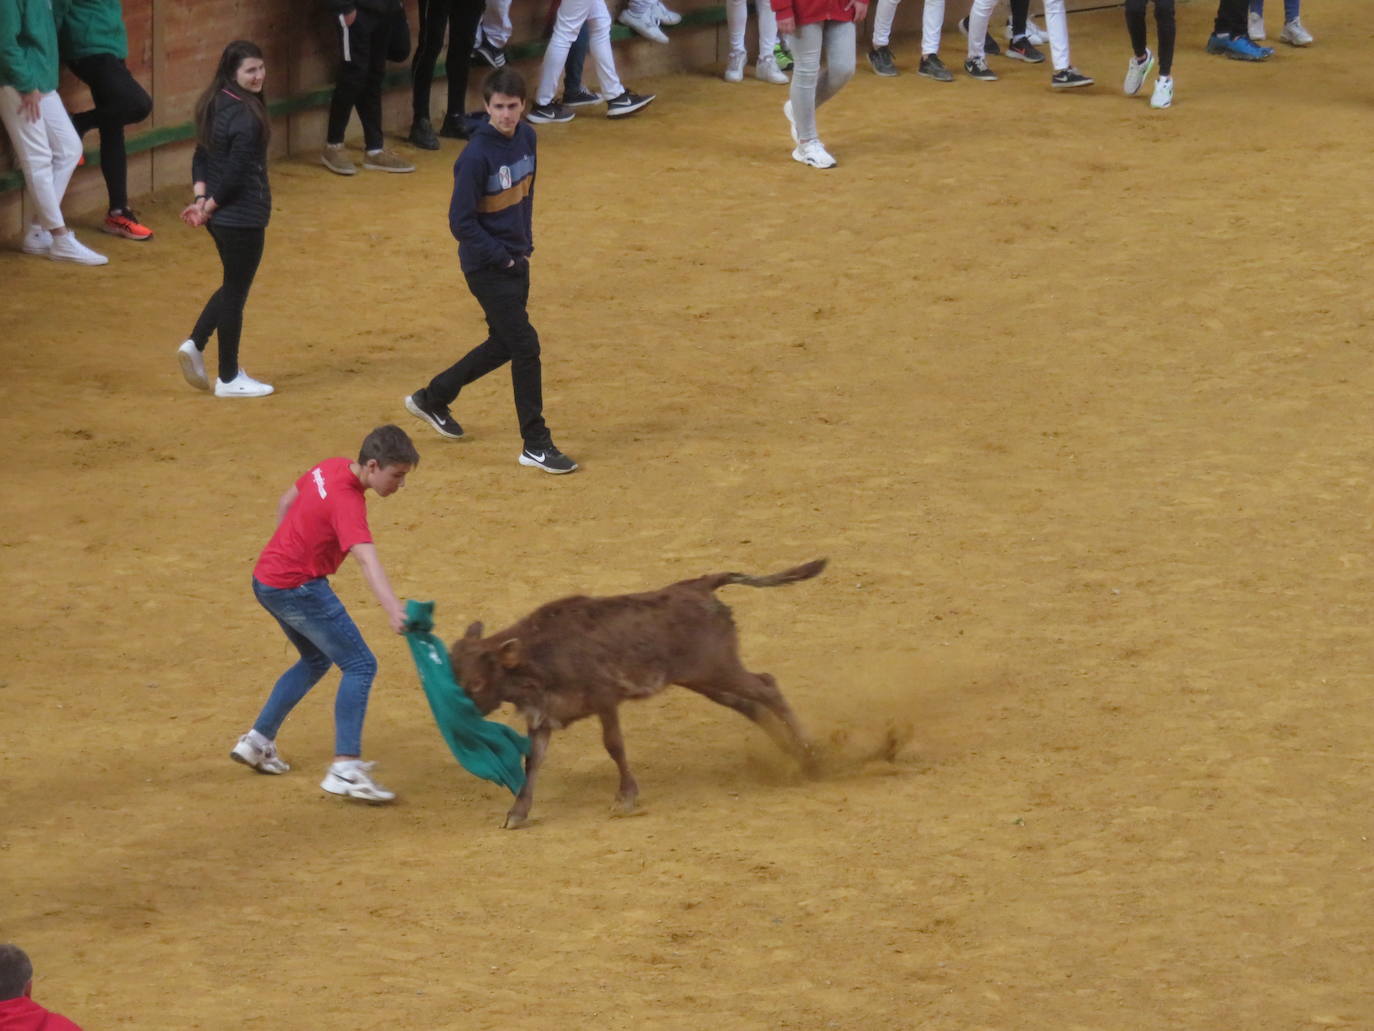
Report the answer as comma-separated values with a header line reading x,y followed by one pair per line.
x,y
933,68
422,135
1068,78
548,458
990,47
541,114
579,96
627,104
1022,50
978,68
882,61
456,127
494,56
436,415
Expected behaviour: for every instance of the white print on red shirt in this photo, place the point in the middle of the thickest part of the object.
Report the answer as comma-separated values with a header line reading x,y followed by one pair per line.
x,y
319,481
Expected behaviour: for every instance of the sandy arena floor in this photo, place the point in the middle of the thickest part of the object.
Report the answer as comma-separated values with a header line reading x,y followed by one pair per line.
x,y
1075,395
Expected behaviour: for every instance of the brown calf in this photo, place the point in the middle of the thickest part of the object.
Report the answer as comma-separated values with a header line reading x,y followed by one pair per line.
x,y
583,656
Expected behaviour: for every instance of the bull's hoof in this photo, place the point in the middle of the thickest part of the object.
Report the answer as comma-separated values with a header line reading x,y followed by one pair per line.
x,y
514,822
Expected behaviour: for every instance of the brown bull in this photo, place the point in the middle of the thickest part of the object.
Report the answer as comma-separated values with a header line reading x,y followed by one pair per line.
x,y
582,656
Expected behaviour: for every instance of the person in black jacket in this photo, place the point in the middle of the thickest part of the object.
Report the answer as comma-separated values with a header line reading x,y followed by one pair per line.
x,y
233,199
366,28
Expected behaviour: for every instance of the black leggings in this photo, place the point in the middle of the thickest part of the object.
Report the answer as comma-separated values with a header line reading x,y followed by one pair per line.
x,y
119,101
240,251
460,17
1020,11
1164,23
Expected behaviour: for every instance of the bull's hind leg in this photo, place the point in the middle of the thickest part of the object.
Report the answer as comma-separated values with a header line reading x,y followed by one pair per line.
x,y
611,737
520,811
756,695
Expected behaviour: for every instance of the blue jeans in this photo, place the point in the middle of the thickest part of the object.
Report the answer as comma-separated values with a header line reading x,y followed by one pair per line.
x,y
316,622
1291,8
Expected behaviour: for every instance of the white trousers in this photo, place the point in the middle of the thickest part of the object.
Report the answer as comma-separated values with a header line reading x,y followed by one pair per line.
x,y
47,149
495,24
1056,25
811,88
932,21
737,15
571,15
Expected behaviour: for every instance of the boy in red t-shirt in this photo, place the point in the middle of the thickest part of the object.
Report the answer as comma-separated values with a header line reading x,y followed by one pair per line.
x,y
321,520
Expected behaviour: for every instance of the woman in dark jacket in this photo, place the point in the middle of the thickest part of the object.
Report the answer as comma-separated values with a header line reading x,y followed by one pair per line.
x,y
233,200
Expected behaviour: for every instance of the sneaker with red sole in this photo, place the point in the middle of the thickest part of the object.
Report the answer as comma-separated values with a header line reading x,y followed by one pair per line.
x,y
126,224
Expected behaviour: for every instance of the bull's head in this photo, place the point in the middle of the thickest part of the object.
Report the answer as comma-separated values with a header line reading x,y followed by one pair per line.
x,y
488,671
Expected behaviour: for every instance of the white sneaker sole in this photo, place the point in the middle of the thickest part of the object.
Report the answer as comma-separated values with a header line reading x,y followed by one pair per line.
x,y
257,768
525,460
339,169
419,413
193,375
362,793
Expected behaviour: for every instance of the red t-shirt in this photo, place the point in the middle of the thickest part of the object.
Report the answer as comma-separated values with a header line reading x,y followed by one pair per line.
x,y
328,517
23,1014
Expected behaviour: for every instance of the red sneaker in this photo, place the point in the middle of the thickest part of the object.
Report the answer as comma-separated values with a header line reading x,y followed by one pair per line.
x,y
125,223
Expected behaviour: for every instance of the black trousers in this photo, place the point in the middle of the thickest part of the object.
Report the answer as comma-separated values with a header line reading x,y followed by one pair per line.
x,y
1164,23
460,17
119,101
503,296
1232,16
363,47
240,252
1020,11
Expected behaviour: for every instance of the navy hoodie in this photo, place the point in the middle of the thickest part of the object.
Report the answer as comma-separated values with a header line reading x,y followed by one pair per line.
x,y
492,212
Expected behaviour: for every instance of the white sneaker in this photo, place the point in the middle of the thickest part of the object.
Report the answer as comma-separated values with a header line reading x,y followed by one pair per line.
x,y
645,26
1163,96
1295,35
791,122
813,153
263,759
353,778
1034,34
667,17
242,385
734,66
1136,71
766,70
1255,26
68,248
192,364
36,241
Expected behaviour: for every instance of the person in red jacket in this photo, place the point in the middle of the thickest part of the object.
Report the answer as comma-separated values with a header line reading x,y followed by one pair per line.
x,y
18,1011
813,25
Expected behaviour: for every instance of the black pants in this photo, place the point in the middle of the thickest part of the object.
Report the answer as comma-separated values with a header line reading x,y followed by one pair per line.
x,y
1232,16
1164,22
1020,11
119,101
503,296
240,251
460,17
363,47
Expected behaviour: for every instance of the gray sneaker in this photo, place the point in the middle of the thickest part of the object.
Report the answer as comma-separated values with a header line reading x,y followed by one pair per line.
x,y
548,458
335,158
978,68
386,161
933,68
883,62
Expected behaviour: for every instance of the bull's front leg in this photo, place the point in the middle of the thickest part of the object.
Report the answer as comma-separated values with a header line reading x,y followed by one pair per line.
x,y
520,811
628,792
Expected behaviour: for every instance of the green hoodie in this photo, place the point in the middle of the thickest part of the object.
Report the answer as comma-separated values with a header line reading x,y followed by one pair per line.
x,y
28,45
88,27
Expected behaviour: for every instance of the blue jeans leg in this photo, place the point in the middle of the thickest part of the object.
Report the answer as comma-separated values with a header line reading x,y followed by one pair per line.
x,y
316,622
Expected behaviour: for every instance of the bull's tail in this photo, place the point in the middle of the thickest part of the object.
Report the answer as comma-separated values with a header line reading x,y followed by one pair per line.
x,y
787,576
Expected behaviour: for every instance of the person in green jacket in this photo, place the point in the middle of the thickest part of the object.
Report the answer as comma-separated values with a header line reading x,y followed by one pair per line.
x,y
94,45
44,140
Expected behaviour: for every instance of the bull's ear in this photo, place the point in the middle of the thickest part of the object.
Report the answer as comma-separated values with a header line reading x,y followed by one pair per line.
x,y
510,653
474,631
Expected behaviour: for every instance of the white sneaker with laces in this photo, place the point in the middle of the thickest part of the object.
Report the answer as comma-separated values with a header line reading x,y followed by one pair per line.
x,y
242,385
1295,35
791,122
734,66
767,70
646,26
813,153
353,778
36,241
1255,27
68,248
667,17
1163,96
264,759
192,364
1136,70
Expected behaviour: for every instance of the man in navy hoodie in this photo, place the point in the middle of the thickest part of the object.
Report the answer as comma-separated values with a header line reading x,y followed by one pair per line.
x,y
491,217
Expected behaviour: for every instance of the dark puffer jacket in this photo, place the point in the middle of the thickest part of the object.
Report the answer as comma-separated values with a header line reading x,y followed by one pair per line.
x,y
234,166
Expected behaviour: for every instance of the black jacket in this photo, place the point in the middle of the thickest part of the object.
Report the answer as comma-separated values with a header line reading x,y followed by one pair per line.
x,y
234,166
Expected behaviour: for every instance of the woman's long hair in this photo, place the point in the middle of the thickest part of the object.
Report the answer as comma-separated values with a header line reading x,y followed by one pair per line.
x,y
225,78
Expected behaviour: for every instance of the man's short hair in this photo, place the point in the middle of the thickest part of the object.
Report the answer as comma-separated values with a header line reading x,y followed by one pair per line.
x,y
504,80
389,445
15,972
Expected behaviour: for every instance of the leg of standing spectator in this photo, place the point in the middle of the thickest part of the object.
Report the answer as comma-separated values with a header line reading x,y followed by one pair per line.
x,y
429,41
348,86
574,92
463,18
599,21
572,15
119,101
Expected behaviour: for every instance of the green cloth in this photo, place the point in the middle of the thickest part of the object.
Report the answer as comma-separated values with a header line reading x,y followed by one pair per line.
x,y
484,747
89,27
28,45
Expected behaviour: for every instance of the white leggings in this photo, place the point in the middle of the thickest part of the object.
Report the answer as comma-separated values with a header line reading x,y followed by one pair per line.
x,y
571,15
47,150
1056,24
932,21
737,14
810,89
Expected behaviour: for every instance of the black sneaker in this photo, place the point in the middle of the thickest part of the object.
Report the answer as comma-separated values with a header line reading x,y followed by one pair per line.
x,y
882,61
978,68
548,458
579,96
933,68
990,47
550,112
456,127
1020,49
626,104
494,56
436,415
422,135
1068,78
